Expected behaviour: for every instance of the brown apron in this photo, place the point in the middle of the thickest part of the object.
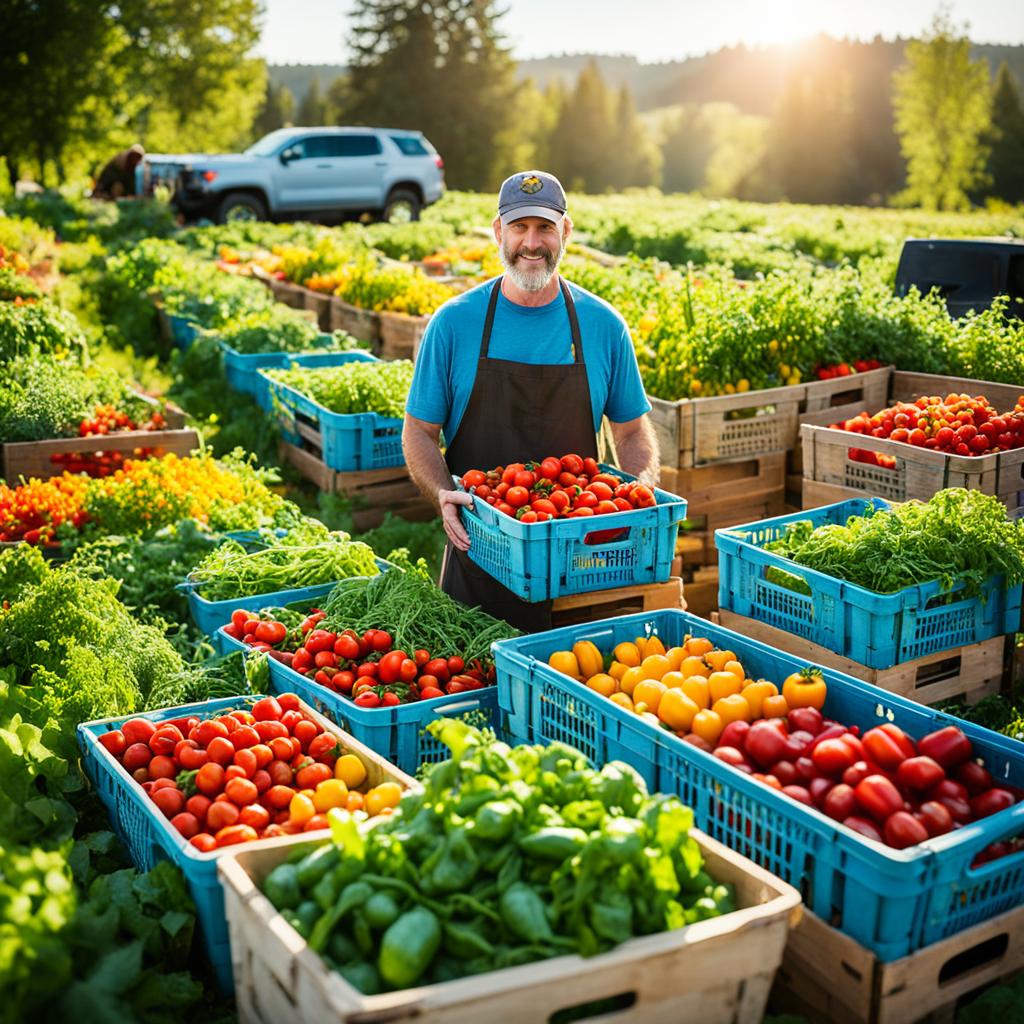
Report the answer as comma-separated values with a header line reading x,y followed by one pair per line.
x,y
517,412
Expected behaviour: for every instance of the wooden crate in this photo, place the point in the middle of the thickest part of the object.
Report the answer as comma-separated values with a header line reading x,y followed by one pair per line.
x,y
289,293
33,458
320,304
373,493
361,324
830,978
717,971
964,673
696,547
400,335
814,494
700,590
701,431
607,604
715,489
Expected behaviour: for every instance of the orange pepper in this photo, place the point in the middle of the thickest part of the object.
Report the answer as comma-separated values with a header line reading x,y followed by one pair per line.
x,y
774,707
707,725
805,689
732,709
755,693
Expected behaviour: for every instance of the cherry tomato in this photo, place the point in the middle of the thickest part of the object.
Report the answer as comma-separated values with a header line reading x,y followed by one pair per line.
x,y
171,801
919,773
137,730
138,755
902,829
267,709
221,814
115,742
208,731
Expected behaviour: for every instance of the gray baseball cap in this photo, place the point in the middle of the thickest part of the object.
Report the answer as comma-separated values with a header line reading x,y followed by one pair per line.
x,y
531,194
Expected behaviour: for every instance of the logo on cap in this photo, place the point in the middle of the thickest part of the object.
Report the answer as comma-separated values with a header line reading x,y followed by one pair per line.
x,y
531,184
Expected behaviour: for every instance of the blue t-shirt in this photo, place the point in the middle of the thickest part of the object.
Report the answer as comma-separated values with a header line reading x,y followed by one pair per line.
x,y
447,360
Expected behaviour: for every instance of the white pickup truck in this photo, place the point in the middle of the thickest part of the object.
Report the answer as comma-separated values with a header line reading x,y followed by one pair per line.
x,y
309,173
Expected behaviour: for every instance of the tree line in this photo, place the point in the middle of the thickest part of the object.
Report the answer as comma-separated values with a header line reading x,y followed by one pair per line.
x,y
81,79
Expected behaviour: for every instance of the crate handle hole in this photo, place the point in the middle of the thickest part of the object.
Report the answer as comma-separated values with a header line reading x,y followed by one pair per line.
x,y
972,959
854,394
751,412
607,536
594,1007
948,668
876,460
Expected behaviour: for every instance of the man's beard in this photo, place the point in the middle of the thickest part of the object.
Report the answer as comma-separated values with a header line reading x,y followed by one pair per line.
x,y
529,276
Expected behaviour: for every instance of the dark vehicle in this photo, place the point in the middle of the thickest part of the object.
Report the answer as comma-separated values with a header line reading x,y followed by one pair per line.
x,y
968,272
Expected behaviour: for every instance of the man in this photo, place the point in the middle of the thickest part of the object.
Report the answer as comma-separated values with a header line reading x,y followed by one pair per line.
x,y
117,179
518,368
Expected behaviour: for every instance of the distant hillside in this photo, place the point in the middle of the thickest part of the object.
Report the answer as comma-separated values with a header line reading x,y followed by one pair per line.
x,y
752,79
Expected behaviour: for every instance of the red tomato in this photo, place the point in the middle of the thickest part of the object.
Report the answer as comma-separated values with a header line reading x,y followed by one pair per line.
x,y
819,789
840,802
805,720
730,755
115,742
878,796
290,719
509,475
833,757
586,499
305,732
798,793
560,500
281,748
244,736
550,469
221,814
247,760
279,797
262,780
572,464
429,692
232,835
288,701
208,731
242,716
517,497
198,805
311,775
973,777
165,739
137,730
241,792
883,749
524,478
785,772
171,801
190,755
255,817
267,709
601,490
162,767
474,478
935,817
544,505
138,755
210,780
221,750
863,827
271,633
857,771
982,805
270,730
606,508
204,842
919,773
902,829
347,647
187,824
735,734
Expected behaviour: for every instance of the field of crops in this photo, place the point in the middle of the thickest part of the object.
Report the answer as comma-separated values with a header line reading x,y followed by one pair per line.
x,y
119,566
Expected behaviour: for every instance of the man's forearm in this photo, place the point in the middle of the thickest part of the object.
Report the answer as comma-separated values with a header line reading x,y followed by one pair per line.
x,y
638,452
426,463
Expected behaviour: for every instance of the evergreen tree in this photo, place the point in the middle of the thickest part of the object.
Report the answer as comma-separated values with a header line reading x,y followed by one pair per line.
x,y
1006,138
634,159
686,150
438,66
583,140
313,108
278,108
942,104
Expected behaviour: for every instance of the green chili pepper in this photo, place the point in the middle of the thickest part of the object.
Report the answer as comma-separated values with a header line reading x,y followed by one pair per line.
x,y
282,887
553,843
354,894
408,947
317,864
522,910
465,942
380,910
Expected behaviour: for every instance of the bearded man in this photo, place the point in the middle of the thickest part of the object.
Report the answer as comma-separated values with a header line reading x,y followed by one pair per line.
x,y
519,368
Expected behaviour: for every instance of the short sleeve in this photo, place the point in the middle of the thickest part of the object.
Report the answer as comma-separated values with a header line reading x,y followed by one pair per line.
x,y
627,399
430,396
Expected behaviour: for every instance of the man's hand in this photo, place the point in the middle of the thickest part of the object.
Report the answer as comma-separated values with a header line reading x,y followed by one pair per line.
x,y
450,502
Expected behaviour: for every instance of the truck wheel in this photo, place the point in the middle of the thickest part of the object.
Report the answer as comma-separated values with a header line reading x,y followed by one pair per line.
x,y
402,206
238,206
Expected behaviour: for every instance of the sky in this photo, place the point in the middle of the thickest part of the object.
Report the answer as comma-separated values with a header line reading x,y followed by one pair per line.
x,y
312,31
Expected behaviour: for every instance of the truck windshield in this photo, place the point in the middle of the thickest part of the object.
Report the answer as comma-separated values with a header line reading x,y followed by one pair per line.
x,y
269,144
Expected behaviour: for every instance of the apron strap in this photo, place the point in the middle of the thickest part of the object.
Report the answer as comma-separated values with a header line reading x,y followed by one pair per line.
x,y
570,308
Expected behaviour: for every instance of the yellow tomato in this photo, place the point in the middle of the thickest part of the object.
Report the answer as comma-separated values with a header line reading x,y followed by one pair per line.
x,y
350,770
627,654
673,680
676,656
603,683
722,684
655,666
697,689
617,670
387,794
755,693
732,709
623,700
330,793
649,692
676,710
565,661
301,808
630,678
694,665
698,646
707,725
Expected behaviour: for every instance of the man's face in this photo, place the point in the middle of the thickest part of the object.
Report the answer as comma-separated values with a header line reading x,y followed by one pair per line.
x,y
531,249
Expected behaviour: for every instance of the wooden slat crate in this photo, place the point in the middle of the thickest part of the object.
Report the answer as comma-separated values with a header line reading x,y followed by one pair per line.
x,y
815,494
701,431
34,458
362,324
717,971
373,493
710,490
400,335
696,547
830,978
919,472
606,604
966,673
320,304
700,589
289,293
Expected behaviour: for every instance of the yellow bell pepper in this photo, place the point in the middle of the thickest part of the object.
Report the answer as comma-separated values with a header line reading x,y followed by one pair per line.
x,y
805,689
755,693
565,661
732,709
588,657
627,654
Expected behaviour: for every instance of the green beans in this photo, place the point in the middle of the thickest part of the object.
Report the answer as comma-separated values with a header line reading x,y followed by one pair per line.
x,y
380,387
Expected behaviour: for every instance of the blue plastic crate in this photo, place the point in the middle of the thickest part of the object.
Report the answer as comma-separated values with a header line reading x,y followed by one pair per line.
x,y
183,331
893,901
349,442
149,835
539,561
394,733
877,630
209,616
242,370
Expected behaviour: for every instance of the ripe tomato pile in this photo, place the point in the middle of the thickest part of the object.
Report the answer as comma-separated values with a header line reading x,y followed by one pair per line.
x,y
245,775
364,668
956,425
536,492
846,369
882,784
106,419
